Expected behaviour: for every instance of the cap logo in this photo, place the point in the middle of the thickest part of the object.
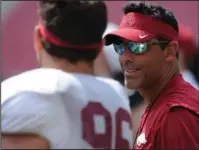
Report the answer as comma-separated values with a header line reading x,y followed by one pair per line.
x,y
129,20
143,36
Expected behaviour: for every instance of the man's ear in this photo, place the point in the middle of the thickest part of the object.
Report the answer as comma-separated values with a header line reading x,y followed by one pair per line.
x,y
37,39
102,46
38,45
171,52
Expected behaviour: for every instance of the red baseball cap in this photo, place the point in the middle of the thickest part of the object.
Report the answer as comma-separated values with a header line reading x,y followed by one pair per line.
x,y
137,27
186,40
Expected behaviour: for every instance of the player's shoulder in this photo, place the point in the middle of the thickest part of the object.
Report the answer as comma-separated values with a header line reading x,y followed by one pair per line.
x,y
97,81
111,82
116,86
43,81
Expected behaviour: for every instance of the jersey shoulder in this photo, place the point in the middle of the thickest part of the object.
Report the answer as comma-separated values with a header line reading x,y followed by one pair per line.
x,y
117,87
42,81
111,83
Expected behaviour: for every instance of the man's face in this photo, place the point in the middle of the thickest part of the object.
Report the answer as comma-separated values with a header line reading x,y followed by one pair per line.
x,y
142,70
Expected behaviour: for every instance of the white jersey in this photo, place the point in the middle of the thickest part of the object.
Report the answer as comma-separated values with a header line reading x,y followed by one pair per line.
x,y
71,111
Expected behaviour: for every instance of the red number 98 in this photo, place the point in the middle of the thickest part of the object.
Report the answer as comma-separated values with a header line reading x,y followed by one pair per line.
x,y
97,140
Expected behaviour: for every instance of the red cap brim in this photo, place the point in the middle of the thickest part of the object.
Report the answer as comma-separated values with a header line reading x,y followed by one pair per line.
x,y
129,34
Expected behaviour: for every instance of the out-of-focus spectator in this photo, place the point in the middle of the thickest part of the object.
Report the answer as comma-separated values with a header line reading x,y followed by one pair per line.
x,y
193,64
187,49
107,62
109,52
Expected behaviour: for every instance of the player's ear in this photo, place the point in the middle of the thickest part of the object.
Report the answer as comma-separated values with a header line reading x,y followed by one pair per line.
x,y
102,45
171,51
38,45
37,39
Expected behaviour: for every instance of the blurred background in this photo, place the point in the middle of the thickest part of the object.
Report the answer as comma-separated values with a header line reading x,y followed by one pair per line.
x,y
17,51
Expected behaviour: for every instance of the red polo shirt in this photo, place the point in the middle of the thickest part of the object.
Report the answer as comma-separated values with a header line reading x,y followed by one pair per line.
x,y
173,120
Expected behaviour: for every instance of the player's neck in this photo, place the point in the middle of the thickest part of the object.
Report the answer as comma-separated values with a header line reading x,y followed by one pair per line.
x,y
83,68
151,94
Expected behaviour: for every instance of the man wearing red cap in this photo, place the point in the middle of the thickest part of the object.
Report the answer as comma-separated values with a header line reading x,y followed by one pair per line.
x,y
147,44
62,105
193,65
187,49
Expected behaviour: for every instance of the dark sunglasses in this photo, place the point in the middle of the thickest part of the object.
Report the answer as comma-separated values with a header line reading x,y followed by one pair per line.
x,y
136,48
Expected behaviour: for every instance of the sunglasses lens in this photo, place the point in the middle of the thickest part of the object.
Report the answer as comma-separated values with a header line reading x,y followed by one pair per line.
x,y
137,48
119,48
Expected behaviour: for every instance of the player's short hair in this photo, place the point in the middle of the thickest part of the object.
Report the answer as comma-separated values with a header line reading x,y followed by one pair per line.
x,y
156,11
77,22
